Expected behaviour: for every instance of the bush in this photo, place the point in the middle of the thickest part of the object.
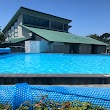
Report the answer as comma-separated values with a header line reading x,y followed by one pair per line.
x,y
45,104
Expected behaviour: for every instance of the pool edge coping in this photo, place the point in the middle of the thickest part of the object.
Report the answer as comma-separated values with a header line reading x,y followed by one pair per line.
x,y
57,75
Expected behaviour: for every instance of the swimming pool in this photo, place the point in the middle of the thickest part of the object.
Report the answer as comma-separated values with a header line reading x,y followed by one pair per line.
x,y
54,64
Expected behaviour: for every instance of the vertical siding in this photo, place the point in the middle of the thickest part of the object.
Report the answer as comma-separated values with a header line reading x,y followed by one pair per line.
x,y
101,49
32,46
98,49
84,49
44,46
60,48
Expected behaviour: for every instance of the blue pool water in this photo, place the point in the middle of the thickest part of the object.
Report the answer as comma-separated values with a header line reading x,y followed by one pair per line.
x,y
54,63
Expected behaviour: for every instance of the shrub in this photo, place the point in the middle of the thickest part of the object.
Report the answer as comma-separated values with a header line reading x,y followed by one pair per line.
x,y
45,104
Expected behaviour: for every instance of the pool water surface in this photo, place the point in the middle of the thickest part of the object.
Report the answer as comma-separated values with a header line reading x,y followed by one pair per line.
x,y
54,64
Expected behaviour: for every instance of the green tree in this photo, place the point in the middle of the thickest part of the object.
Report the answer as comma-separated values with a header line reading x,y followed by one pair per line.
x,y
94,36
2,37
104,37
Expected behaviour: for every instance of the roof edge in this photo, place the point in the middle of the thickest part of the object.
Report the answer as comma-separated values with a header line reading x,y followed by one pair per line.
x,y
11,20
92,43
21,9
46,13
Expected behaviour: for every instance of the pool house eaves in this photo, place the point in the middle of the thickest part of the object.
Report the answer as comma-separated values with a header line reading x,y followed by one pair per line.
x,y
55,36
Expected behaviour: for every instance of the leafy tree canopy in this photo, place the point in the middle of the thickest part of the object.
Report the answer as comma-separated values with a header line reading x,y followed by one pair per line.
x,y
2,37
94,36
104,37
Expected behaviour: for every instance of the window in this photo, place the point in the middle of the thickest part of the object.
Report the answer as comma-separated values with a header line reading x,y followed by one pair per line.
x,y
41,22
65,27
12,28
12,36
26,19
44,22
16,34
16,30
32,20
13,31
56,25
35,21
15,25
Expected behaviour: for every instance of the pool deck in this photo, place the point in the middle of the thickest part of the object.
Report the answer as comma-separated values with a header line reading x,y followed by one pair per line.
x,y
55,79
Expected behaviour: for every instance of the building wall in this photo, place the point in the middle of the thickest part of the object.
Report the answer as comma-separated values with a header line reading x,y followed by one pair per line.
x,y
25,33
45,46
21,31
37,38
101,49
32,46
74,48
60,48
98,49
85,49
19,27
42,46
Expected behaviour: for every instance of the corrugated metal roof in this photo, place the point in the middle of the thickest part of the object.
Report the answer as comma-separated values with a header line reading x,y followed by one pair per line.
x,y
56,36
16,40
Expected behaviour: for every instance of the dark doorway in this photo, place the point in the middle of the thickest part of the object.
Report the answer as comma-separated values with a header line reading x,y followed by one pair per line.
x,y
74,48
94,49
